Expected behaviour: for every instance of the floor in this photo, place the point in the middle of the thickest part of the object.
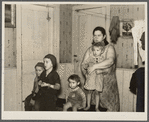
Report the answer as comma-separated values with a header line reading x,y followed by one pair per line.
x,y
60,103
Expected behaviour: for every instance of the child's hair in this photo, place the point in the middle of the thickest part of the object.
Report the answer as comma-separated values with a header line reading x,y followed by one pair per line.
x,y
74,77
40,64
98,44
53,60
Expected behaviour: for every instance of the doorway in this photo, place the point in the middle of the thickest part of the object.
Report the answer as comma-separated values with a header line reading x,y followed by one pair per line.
x,y
85,19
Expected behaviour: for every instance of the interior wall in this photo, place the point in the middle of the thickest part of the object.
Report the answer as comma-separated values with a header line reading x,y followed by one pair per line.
x,y
135,12
64,71
10,92
10,69
124,45
65,33
36,40
10,48
127,98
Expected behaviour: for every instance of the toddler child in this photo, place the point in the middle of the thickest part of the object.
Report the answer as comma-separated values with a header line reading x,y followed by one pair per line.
x,y
94,80
29,101
49,83
76,98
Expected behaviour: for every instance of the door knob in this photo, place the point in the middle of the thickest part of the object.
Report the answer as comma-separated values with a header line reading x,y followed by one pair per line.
x,y
75,58
75,55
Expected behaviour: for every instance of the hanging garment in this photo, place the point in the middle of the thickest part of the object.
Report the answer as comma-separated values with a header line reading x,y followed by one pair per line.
x,y
141,51
143,40
137,86
142,47
137,30
114,29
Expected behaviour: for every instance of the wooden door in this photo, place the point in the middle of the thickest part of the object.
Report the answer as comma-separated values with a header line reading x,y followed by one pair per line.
x,y
37,38
85,19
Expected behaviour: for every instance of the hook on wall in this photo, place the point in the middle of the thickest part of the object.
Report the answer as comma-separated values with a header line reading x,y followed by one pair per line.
x,y
48,17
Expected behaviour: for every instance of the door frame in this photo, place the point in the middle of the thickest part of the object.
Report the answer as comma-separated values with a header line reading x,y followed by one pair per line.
x,y
75,25
19,95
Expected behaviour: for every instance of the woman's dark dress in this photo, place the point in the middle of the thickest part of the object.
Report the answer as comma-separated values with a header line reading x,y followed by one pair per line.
x,y
48,96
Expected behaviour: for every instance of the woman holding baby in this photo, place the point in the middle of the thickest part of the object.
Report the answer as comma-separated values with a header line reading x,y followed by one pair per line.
x,y
108,95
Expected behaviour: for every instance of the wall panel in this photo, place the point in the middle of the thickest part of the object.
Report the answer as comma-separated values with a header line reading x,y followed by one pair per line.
x,y
10,89
124,44
120,76
10,48
127,99
65,33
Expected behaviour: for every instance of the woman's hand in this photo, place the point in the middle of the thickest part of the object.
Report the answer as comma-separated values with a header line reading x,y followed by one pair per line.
x,y
32,102
91,69
43,84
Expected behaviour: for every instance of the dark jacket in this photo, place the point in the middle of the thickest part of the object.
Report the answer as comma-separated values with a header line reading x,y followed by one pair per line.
x,y
137,86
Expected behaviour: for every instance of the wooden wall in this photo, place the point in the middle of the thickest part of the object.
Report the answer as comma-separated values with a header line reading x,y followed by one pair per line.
x,y
10,91
124,46
37,33
10,71
65,33
125,53
127,99
135,12
10,48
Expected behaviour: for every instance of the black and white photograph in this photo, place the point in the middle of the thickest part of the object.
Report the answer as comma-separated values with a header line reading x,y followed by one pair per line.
x,y
51,68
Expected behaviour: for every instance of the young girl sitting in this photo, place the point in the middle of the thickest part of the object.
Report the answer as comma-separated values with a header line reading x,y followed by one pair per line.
x,y
49,82
76,98
94,81
30,101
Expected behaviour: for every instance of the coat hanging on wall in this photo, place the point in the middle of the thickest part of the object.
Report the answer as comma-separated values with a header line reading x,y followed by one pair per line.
x,y
114,29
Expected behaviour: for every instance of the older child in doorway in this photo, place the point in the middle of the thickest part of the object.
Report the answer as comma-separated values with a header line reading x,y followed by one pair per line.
x,y
76,98
94,81
30,100
49,84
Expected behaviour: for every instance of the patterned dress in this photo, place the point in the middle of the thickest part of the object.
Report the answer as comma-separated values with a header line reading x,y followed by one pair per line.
x,y
109,98
94,81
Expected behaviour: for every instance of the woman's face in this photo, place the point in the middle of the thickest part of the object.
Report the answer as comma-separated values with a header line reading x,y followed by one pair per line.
x,y
98,36
47,63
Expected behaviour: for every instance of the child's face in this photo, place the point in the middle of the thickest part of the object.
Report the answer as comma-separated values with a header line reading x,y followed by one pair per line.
x,y
38,70
97,51
73,84
47,63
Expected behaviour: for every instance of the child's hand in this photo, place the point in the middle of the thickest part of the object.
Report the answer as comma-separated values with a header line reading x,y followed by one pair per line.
x,y
86,75
99,71
39,83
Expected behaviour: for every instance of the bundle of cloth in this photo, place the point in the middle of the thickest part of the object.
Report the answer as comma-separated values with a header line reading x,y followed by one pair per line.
x,y
137,32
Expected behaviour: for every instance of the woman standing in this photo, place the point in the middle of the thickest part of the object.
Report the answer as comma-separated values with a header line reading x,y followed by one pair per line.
x,y
109,98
